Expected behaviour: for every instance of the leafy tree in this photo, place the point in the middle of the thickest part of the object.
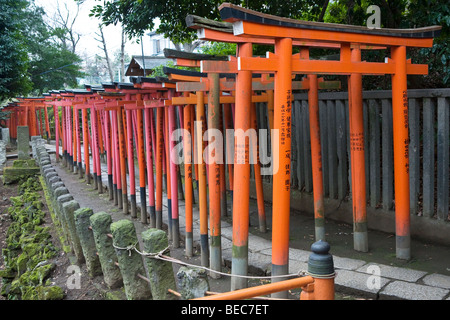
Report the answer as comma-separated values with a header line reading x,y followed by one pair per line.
x,y
403,14
138,16
220,48
14,60
33,59
52,64
421,13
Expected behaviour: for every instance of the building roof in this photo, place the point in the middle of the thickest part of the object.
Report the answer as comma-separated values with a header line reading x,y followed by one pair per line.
x,y
138,63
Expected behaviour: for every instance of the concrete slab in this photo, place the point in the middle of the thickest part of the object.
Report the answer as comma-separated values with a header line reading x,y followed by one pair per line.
x,y
437,280
396,273
257,244
299,255
412,291
353,282
347,263
297,267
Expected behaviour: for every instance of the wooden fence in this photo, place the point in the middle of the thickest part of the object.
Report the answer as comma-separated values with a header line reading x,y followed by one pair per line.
x,y
429,164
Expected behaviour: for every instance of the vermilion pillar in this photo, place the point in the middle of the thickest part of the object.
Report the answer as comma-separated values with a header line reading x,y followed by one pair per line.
x,y
282,159
148,119
141,161
229,157
159,168
214,117
77,129
316,155
116,165
108,141
257,170
75,140
187,150
87,170
99,150
130,158
56,116
358,172
168,172
172,126
122,152
243,102
202,200
401,153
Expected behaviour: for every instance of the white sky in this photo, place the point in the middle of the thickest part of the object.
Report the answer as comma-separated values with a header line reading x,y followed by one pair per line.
x,y
88,26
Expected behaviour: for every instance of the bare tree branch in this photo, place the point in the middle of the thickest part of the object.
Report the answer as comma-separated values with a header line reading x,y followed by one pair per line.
x,y
105,50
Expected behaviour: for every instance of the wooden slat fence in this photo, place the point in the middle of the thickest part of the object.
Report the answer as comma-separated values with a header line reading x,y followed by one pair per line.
x,y
429,163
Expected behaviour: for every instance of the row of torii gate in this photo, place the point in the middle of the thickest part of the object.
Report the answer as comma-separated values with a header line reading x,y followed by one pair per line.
x,y
127,119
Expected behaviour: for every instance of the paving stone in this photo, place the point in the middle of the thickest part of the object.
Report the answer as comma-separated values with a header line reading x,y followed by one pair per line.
x,y
297,267
347,263
353,282
395,272
226,243
412,291
257,244
259,264
299,255
437,280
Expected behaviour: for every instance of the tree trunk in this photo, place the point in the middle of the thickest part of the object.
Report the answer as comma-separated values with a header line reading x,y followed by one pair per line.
x,y
122,57
108,63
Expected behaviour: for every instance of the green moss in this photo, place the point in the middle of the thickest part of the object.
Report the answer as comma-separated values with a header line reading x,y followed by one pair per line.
x,y
30,184
29,249
22,263
115,295
50,293
56,222
31,163
16,175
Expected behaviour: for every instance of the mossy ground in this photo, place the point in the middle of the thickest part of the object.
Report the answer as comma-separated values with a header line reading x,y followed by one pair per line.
x,y
29,248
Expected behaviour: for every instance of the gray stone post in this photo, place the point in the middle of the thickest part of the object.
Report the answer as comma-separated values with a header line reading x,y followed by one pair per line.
x,y
59,190
192,282
160,272
100,224
130,262
58,210
5,136
68,210
23,142
82,224
49,174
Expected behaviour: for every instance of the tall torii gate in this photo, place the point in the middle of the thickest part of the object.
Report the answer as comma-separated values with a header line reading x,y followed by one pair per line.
x,y
251,24
209,30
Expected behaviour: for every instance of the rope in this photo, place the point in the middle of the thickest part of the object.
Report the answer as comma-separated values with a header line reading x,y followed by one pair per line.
x,y
159,255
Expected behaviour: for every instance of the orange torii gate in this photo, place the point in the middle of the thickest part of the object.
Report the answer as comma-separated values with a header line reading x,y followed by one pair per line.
x,y
209,89
165,124
12,121
204,84
151,93
312,84
283,32
28,107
